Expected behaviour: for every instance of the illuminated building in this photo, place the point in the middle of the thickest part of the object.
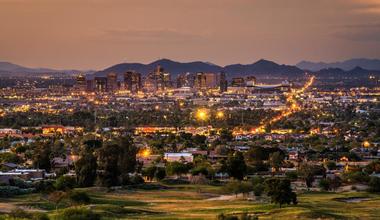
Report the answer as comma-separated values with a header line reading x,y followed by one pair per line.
x,y
185,80
179,157
90,85
53,129
205,81
81,83
101,84
158,80
111,82
223,84
250,81
132,82
238,82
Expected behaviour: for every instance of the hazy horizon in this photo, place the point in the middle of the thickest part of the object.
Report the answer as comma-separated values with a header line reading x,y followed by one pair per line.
x,y
97,34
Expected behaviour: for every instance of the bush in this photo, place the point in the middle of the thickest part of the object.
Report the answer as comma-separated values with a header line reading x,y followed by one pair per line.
x,y
78,214
243,216
65,183
174,181
292,175
40,216
79,197
136,179
160,173
44,186
374,184
19,213
8,191
356,177
20,183
258,189
324,184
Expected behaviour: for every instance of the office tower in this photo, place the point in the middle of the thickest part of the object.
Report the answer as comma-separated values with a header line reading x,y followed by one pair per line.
x,y
205,81
90,85
111,82
158,80
80,83
101,84
223,84
185,80
132,82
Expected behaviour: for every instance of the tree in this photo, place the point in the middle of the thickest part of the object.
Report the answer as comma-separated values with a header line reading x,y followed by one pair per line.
x,y
41,155
236,166
373,167
324,184
330,165
236,187
226,135
85,168
176,168
127,158
149,172
280,191
116,159
307,173
275,160
108,165
160,173
9,157
374,184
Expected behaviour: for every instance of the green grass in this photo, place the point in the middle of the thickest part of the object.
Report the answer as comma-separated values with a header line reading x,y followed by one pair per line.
x,y
190,202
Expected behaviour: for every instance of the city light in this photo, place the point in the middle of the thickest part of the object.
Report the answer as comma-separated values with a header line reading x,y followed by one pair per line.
x,y
202,114
366,144
220,114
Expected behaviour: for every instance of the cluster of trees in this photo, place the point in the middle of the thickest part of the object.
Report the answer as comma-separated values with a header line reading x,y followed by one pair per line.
x,y
278,189
111,162
179,117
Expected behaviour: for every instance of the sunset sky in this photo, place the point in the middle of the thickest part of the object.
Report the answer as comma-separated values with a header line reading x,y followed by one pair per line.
x,y
86,34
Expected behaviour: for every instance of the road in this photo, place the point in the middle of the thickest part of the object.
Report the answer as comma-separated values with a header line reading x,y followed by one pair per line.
x,y
290,101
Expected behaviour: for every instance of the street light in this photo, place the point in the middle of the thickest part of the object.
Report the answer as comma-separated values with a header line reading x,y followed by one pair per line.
x,y
145,153
220,114
366,144
202,114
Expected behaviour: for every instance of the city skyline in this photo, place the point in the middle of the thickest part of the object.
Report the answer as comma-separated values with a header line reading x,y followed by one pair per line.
x,y
97,34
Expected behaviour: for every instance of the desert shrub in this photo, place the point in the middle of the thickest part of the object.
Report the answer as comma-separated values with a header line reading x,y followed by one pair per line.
x,y
65,183
79,197
40,216
78,214
44,186
19,213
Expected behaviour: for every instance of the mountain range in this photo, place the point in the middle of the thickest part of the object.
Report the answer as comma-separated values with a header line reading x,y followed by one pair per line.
x,y
7,67
260,68
369,64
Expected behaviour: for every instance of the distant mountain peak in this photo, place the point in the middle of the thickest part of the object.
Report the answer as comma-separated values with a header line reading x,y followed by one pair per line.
x,y
369,64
